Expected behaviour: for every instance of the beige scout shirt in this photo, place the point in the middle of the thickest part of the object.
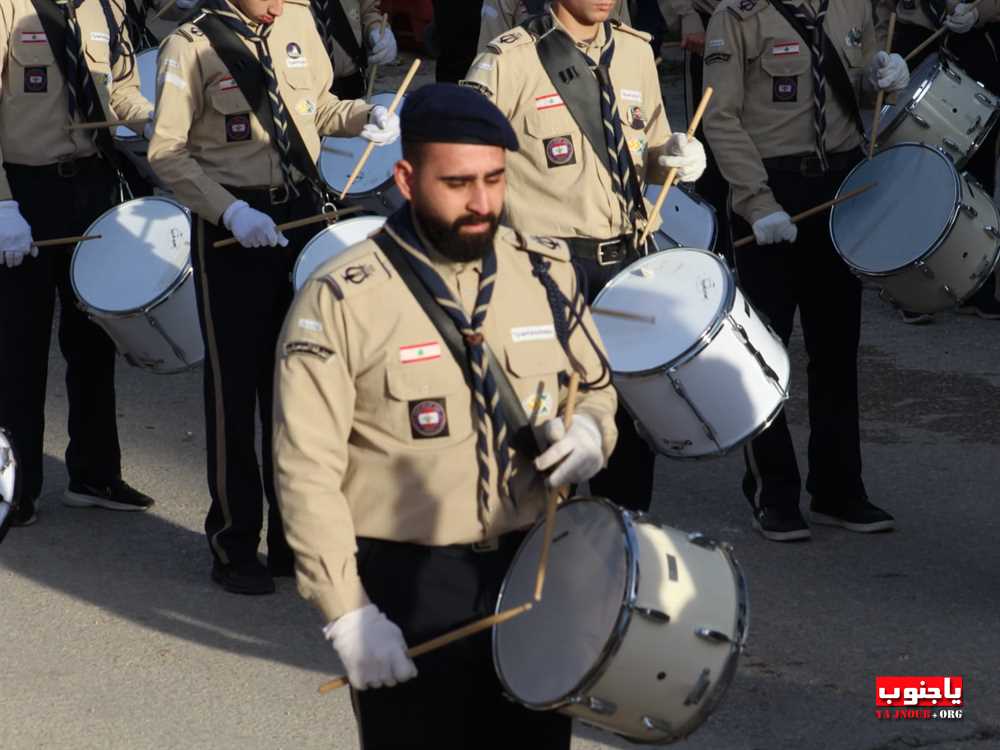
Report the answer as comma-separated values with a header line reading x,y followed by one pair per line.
x,y
763,105
688,11
557,185
205,134
500,15
374,434
34,107
912,12
362,15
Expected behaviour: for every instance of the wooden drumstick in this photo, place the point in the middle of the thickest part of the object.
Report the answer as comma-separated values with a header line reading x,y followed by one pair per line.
x,y
106,124
371,145
880,99
324,216
374,68
934,37
651,319
672,174
815,210
553,501
443,640
65,240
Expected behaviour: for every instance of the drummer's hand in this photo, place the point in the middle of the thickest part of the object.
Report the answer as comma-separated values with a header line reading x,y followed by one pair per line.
x,y
687,154
371,647
579,449
251,227
962,19
382,128
888,72
775,228
15,235
383,45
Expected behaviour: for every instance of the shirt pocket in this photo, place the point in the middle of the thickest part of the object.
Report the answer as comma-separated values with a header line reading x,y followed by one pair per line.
x,y
534,368
788,74
635,120
553,141
233,116
428,405
299,79
32,70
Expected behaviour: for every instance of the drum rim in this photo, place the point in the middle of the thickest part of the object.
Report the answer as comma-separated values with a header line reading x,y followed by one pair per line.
x,y
11,503
935,63
706,337
357,195
618,632
935,246
182,276
305,247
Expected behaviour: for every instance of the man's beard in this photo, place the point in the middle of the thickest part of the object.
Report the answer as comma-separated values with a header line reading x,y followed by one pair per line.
x,y
448,240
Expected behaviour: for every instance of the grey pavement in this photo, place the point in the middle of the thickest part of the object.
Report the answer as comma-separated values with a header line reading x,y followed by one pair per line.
x,y
112,635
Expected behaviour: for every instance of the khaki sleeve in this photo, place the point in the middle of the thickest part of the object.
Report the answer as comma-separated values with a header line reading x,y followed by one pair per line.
x,y
371,14
691,24
737,155
314,399
179,102
343,118
658,129
497,16
126,99
989,12
883,10
484,76
6,27
870,46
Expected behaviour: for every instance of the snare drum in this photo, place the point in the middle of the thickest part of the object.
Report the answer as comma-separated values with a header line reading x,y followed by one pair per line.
x,y
9,488
688,220
134,146
708,374
640,628
137,283
374,189
331,242
926,234
943,106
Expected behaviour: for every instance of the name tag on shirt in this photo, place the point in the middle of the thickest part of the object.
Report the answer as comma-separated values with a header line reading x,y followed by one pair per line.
x,y
533,333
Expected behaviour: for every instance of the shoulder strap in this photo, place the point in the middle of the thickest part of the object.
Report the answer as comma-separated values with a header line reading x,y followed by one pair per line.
x,y
249,75
344,35
574,82
522,436
833,68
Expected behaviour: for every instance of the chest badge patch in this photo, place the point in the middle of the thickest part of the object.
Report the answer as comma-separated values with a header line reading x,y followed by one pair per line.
x,y
419,352
784,49
33,37
428,418
637,122
36,80
293,50
237,128
786,88
854,36
548,101
559,151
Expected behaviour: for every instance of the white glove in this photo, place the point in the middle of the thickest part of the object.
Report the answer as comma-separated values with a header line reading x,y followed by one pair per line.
x,y
888,72
688,155
371,647
775,228
382,128
251,227
962,19
382,44
15,235
579,449
149,127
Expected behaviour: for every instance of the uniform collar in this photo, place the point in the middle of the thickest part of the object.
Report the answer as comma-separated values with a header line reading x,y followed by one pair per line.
x,y
587,48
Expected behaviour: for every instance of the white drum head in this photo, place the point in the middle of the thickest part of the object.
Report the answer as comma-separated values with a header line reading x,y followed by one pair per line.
x,y
686,290
339,156
145,63
8,468
904,216
144,250
687,220
543,655
331,242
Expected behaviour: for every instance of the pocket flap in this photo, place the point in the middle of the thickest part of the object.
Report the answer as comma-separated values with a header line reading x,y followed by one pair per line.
x,y
787,65
229,102
408,382
530,358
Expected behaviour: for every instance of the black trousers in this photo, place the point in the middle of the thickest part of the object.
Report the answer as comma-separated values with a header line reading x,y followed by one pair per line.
x,y
628,478
810,276
456,30
456,701
57,206
243,295
349,87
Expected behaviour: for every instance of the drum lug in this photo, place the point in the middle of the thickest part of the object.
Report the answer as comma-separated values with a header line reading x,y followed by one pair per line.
x,y
924,269
952,145
699,689
597,705
700,540
970,211
710,634
951,293
917,118
992,231
986,101
975,126
946,69
653,615
657,725
769,373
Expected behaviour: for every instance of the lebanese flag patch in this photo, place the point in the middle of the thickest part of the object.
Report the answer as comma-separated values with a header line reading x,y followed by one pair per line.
x,y
227,83
548,101
33,37
420,352
785,48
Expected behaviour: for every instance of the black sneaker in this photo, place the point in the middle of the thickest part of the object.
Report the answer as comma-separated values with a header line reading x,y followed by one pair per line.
x,y
116,496
781,524
988,309
281,565
916,318
24,514
249,577
856,515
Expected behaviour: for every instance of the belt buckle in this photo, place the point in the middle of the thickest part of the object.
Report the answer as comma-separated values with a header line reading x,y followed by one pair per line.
x,y
487,545
67,168
279,194
599,252
811,166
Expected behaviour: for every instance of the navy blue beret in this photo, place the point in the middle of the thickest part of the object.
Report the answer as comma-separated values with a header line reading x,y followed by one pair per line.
x,y
449,113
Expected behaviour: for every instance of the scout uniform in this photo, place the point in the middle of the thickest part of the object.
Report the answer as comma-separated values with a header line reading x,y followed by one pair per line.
x,y
558,185
380,476
500,16
762,127
61,185
345,42
212,149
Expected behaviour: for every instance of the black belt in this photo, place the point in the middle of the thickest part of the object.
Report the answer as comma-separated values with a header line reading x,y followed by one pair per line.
x,y
276,195
809,165
605,252
65,168
506,543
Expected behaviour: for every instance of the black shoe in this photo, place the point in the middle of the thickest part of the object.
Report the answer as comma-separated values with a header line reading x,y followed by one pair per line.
x,y
988,309
281,565
116,496
250,577
916,318
24,514
856,515
781,524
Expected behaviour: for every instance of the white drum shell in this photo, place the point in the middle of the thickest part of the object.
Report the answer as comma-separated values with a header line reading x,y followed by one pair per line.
x,y
8,468
135,147
687,219
331,242
943,107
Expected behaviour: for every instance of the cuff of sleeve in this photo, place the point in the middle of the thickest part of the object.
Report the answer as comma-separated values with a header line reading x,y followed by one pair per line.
x,y
691,24
609,432
5,192
218,200
760,206
334,599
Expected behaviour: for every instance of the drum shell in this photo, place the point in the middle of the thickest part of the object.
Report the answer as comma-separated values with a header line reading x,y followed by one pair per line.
x,y
135,147
382,202
675,403
957,112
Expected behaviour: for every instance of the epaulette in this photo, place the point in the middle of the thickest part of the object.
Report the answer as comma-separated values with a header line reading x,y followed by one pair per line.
x,y
743,9
515,37
626,29
550,247
355,272
189,31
